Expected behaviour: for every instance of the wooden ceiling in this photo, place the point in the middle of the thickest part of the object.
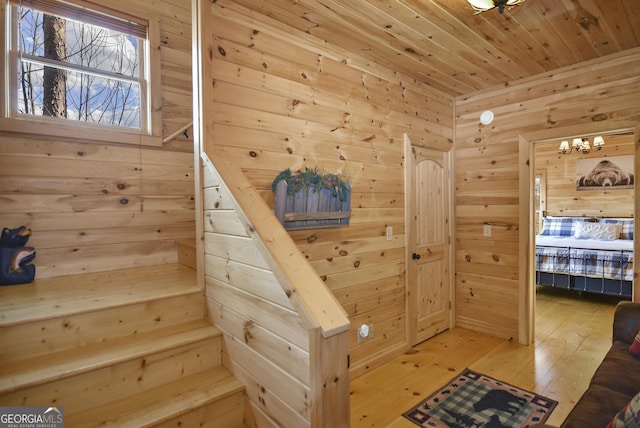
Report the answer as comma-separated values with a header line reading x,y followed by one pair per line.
x,y
443,44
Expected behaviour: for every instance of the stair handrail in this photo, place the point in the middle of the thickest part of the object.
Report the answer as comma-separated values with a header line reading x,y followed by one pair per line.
x,y
174,134
316,304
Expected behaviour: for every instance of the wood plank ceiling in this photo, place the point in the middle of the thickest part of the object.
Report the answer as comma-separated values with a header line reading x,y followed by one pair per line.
x,y
442,43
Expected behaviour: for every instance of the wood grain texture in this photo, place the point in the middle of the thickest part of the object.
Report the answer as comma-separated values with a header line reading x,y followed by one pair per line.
x,y
573,333
280,322
130,347
443,44
279,97
95,205
595,97
562,198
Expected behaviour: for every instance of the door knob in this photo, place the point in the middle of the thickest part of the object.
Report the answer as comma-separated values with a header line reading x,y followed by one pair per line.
x,y
416,256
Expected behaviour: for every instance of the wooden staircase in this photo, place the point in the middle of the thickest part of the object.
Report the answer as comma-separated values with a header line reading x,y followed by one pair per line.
x,y
127,348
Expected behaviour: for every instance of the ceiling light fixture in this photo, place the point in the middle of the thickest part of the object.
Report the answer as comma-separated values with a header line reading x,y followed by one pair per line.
x,y
581,145
480,6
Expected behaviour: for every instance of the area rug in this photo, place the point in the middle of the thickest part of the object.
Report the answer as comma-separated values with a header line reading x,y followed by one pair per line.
x,y
474,400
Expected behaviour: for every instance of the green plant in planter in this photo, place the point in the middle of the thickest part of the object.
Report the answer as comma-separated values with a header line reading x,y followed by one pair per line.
x,y
314,179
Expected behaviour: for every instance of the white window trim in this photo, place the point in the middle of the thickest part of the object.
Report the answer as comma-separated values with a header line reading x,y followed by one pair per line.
x,y
151,125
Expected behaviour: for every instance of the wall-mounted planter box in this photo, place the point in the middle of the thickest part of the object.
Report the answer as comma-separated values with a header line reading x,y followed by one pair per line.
x,y
311,208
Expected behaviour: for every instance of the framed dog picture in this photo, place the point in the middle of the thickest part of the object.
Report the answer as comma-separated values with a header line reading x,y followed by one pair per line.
x,y
612,172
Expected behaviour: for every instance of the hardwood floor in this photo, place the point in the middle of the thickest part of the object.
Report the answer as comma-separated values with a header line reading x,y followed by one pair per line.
x,y
573,333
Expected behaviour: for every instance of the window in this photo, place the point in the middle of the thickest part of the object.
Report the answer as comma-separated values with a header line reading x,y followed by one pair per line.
x,y
75,63
540,203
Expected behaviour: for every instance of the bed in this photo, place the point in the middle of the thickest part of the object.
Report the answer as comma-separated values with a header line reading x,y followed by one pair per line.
x,y
586,254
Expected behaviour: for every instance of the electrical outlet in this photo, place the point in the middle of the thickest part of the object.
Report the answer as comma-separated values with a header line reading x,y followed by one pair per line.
x,y
487,230
389,233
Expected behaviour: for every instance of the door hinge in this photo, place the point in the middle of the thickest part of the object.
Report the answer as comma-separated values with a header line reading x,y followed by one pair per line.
x,y
349,357
449,239
449,304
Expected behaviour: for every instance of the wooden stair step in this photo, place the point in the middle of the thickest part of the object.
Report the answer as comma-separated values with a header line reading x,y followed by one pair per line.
x,y
224,413
68,295
163,403
46,336
189,243
187,252
51,367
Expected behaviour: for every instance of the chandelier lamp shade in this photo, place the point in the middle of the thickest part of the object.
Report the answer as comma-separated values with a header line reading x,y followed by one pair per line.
x,y
479,6
581,145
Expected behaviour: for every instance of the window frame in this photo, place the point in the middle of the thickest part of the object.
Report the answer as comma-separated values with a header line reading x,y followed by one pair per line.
x,y
150,132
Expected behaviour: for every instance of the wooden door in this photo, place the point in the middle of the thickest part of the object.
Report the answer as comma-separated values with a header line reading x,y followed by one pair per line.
x,y
428,243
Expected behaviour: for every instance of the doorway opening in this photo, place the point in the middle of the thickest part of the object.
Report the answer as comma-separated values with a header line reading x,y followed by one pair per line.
x,y
571,204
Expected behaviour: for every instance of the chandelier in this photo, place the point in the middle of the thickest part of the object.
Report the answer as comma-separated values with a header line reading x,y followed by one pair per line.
x,y
479,6
581,145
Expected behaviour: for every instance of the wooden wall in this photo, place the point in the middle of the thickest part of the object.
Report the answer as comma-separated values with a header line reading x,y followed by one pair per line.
x,y
95,205
271,345
267,346
593,97
285,99
562,198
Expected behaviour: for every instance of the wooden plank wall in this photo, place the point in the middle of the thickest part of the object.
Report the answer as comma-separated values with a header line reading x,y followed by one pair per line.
x,y
601,95
96,206
268,351
281,98
562,198
268,345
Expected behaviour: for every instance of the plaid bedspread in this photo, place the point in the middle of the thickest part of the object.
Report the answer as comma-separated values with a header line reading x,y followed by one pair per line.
x,y
616,265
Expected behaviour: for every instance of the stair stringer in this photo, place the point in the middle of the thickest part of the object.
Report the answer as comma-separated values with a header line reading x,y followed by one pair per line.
x,y
285,338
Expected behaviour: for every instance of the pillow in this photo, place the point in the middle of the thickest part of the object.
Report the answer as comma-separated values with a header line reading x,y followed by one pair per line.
x,y
629,416
634,348
627,226
606,232
558,226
